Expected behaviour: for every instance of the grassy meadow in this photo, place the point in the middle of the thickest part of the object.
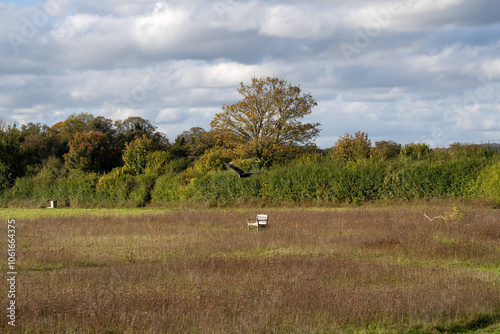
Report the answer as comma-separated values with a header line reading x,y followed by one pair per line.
x,y
361,269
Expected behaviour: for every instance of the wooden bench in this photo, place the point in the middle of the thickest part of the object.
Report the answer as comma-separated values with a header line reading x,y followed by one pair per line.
x,y
259,222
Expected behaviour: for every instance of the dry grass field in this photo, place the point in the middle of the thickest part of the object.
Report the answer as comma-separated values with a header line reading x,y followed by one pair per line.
x,y
357,270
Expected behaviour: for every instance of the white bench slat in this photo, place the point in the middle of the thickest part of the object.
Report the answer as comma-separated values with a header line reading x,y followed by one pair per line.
x,y
260,221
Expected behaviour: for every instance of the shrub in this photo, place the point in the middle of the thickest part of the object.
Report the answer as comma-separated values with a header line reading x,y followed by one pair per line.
x,y
415,151
211,160
351,147
135,155
120,187
90,152
408,179
115,186
168,188
487,185
179,165
4,177
141,193
458,150
224,187
12,157
158,162
53,168
297,182
310,158
252,164
386,150
78,188
308,179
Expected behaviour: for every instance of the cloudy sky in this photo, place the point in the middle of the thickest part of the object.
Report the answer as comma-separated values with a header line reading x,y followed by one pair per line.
x,y
408,71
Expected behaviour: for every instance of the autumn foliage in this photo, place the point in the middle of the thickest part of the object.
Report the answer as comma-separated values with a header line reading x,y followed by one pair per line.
x,y
266,124
93,161
90,152
350,147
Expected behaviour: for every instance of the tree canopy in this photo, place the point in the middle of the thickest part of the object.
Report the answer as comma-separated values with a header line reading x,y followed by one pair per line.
x,y
350,147
267,123
90,152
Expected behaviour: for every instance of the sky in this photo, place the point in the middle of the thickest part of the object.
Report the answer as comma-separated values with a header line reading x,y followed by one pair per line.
x,y
407,71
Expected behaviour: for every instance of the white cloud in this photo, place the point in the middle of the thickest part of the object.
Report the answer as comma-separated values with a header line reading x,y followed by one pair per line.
x,y
490,124
177,62
302,22
236,16
169,115
25,115
422,7
165,27
76,26
492,68
399,15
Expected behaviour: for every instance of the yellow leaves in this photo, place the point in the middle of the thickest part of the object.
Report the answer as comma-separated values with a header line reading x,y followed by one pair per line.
x,y
211,160
267,120
89,151
135,154
350,147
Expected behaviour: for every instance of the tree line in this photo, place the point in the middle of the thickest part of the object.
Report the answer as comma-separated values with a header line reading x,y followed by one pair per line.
x,y
92,159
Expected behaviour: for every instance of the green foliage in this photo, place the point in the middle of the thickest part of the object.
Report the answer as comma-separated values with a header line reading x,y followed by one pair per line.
x,y
224,187
415,151
157,162
137,127
296,182
329,181
89,152
250,164
102,125
118,186
76,188
356,173
144,184
194,142
351,147
12,157
386,150
34,142
459,151
4,178
487,185
135,155
211,160
408,179
169,187
454,215
53,169
114,186
366,180
75,123
179,165
310,158
267,122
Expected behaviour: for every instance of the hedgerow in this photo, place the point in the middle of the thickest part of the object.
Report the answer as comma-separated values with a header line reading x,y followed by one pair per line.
x,y
314,180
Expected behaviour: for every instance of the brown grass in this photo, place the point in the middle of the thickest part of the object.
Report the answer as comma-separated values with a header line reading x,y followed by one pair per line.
x,y
321,271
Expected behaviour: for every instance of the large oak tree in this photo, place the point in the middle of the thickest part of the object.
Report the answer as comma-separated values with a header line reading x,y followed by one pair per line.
x,y
267,122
